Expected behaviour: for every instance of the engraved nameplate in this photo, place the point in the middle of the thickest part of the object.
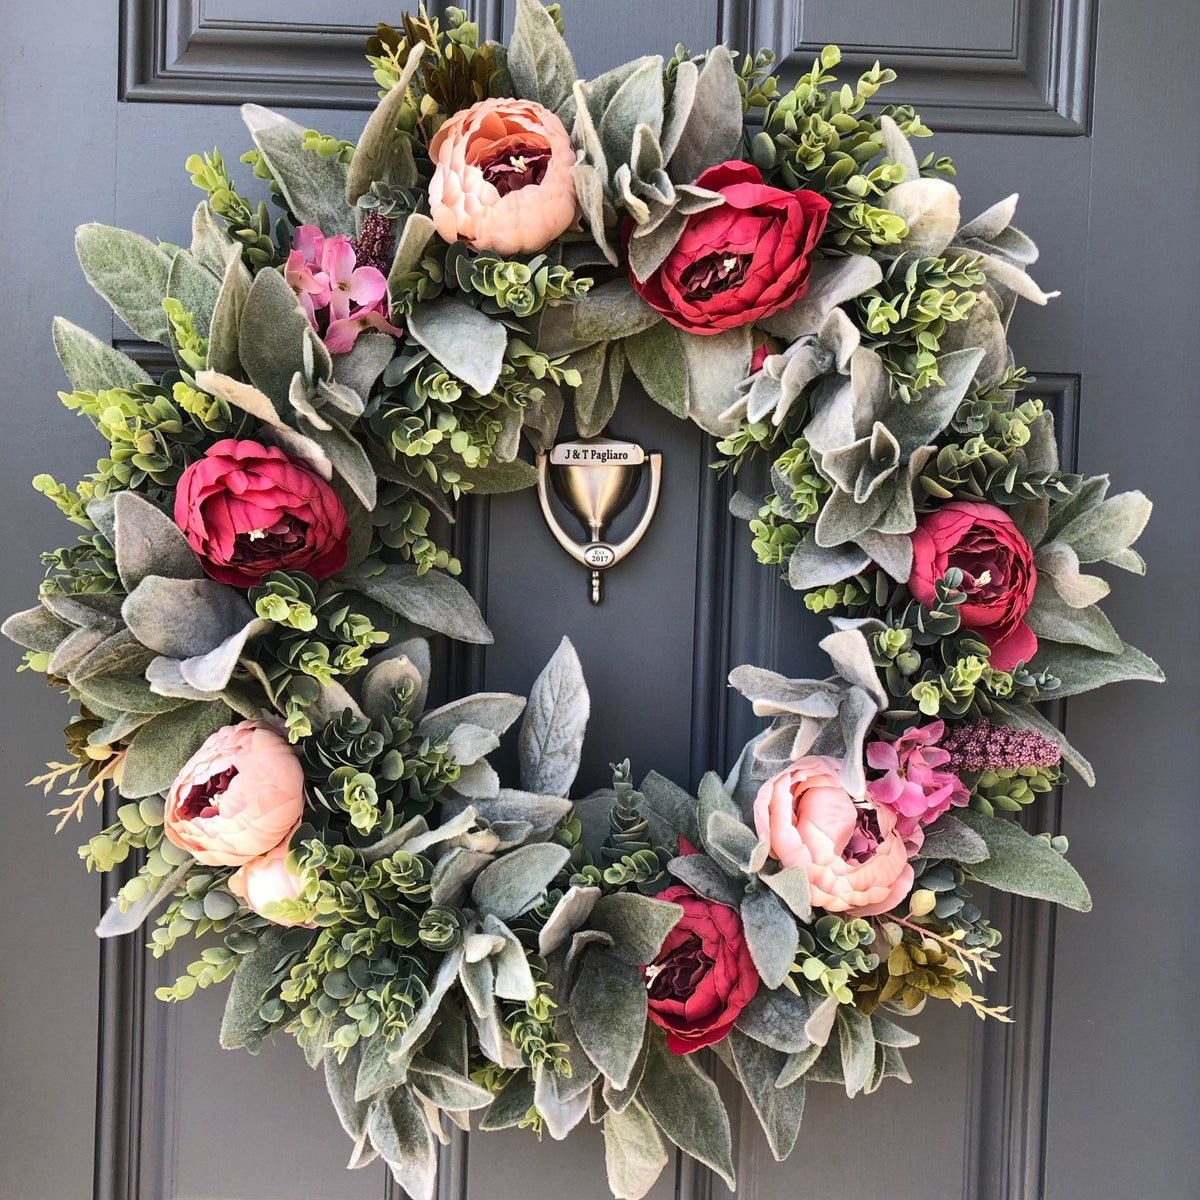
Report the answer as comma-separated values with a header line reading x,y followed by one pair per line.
x,y
593,454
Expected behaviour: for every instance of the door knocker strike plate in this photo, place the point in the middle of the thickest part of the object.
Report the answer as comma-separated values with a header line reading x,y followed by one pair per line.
x,y
596,478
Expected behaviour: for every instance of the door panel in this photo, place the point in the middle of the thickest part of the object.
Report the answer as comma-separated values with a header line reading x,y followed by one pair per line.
x,y
1055,1106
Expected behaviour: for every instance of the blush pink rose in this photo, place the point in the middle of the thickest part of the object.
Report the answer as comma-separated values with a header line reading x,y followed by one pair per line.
x,y
502,177
263,882
855,860
998,574
248,509
914,784
237,797
739,262
703,976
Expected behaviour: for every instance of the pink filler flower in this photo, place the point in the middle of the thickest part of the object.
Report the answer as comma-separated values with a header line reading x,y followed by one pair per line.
x,y
340,298
913,785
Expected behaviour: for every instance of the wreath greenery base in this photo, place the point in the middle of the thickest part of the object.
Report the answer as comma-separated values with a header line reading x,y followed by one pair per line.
x,y
243,624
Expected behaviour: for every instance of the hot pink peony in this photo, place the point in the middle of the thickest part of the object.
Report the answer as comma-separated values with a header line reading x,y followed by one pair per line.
x,y
249,509
265,881
855,860
703,976
913,785
998,574
502,177
742,261
237,797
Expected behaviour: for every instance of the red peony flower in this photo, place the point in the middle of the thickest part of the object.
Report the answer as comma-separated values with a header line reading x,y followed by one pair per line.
x,y
742,261
248,510
998,574
703,975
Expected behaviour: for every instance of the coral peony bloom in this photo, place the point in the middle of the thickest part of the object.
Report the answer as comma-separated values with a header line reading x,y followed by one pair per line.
x,y
263,882
703,976
237,797
855,860
502,177
742,261
998,574
248,510
914,785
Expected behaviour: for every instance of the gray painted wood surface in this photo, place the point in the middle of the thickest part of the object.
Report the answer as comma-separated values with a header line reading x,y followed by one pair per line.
x,y
1084,107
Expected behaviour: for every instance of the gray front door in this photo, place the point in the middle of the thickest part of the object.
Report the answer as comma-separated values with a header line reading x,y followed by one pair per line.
x,y
1082,106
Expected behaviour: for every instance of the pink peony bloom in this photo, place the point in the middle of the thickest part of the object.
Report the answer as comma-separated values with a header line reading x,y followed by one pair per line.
x,y
502,177
340,298
263,882
912,785
237,797
855,860
998,574
248,509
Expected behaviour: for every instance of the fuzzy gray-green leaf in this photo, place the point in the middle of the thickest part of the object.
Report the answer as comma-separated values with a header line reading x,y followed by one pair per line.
x,y
130,273
92,365
551,739
1023,864
608,1010
433,601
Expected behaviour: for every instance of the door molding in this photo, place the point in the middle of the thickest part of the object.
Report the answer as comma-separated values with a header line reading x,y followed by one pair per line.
x,y
1041,83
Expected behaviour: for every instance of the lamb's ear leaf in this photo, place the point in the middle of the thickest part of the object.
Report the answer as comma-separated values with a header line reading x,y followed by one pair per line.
x,y
92,365
375,156
607,1005
771,935
634,1155
227,315
398,1130
638,924
1023,864
117,921
162,746
314,187
257,972
656,358
539,62
271,335
1079,669
506,887
551,738
196,290
433,601
714,124
687,1106
130,273
779,1110
464,340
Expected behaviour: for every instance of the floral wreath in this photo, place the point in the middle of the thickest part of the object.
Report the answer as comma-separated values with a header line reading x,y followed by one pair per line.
x,y
243,622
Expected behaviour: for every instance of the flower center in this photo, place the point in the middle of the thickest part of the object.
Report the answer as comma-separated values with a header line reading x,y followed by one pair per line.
x,y
865,839
203,799
677,976
287,535
714,273
514,166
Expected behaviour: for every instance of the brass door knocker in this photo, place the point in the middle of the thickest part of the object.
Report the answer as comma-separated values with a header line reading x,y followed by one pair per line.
x,y
596,478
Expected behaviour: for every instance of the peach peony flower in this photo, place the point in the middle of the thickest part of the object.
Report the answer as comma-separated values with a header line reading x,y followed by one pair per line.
x,y
264,881
502,177
855,860
237,797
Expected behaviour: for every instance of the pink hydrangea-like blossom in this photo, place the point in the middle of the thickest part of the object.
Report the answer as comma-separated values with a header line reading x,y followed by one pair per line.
x,y
340,298
917,783
237,797
502,177
855,860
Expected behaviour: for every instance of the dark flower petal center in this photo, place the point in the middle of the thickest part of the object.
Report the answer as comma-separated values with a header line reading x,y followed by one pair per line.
x,y
677,976
714,273
269,546
202,799
514,165
865,839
